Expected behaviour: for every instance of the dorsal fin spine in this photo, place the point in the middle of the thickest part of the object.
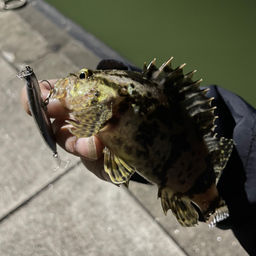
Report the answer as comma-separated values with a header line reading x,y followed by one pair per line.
x,y
187,92
182,66
190,74
151,69
165,69
193,84
200,103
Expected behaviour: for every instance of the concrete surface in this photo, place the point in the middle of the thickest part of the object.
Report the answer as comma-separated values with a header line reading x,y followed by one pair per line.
x,y
70,211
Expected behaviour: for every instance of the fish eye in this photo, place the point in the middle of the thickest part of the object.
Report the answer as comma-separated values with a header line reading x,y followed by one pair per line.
x,y
82,75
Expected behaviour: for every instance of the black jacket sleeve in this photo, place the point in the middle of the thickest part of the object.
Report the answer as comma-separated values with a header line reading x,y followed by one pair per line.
x,y
237,184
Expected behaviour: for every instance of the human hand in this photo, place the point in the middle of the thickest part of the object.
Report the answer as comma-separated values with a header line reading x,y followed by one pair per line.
x,y
90,150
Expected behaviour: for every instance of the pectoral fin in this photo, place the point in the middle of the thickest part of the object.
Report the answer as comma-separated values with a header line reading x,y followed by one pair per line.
x,y
90,121
118,171
181,207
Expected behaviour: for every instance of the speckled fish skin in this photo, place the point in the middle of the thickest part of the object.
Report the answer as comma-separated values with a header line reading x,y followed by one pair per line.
x,y
158,123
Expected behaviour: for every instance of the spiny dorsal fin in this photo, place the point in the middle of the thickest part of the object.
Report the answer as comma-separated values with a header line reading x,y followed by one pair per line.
x,y
175,79
184,90
188,93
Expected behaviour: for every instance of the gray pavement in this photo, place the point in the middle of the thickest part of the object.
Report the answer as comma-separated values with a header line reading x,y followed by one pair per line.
x,y
70,211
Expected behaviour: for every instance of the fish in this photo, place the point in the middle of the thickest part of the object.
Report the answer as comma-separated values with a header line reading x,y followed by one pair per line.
x,y
158,123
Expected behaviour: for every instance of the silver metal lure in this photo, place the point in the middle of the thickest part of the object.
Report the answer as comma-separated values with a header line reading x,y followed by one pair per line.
x,y
37,107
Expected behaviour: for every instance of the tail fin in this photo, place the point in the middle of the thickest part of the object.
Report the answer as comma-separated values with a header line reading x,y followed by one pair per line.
x,y
220,214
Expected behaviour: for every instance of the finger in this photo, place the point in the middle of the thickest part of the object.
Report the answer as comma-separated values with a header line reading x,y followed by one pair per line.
x,y
45,89
63,137
89,148
47,84
54,108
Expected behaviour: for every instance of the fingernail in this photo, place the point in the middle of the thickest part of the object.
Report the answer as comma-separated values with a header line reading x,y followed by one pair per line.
x,y
70,144
86,147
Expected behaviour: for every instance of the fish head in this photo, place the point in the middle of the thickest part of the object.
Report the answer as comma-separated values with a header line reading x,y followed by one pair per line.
x,y
83,89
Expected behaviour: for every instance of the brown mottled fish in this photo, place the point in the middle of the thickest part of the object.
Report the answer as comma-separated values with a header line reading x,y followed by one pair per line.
x,y
158,123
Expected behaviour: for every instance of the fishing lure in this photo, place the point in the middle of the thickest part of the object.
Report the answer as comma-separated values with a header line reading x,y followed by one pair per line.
x,y
38,107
